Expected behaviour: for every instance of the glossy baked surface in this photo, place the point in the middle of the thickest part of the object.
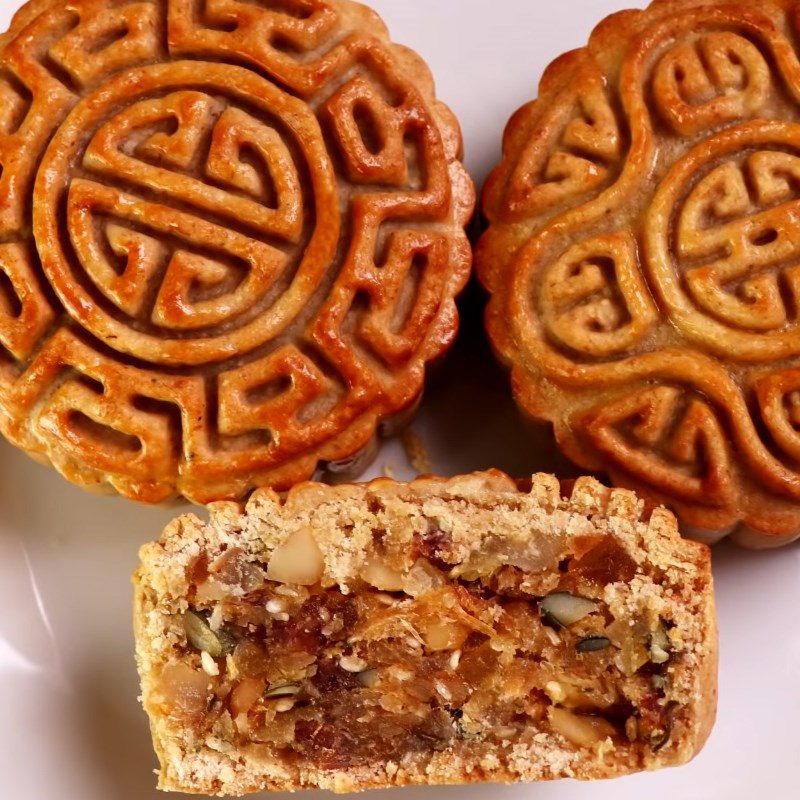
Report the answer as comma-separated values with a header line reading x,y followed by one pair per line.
x,y
231,238
643,260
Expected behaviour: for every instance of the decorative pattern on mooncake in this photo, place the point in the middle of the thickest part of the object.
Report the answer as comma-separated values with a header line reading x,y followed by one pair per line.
x,y
231,238
644,260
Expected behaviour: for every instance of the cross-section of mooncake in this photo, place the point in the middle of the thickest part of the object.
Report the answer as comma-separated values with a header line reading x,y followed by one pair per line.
x,y
443,631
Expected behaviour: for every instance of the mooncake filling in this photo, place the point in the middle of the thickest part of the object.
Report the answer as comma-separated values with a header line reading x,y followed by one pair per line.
x,y
441,657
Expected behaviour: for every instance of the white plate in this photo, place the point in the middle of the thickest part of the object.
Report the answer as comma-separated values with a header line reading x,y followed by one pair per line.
x,y
71,727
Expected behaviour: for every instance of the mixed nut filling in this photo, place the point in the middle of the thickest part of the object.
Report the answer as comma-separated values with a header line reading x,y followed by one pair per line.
x,y
405,665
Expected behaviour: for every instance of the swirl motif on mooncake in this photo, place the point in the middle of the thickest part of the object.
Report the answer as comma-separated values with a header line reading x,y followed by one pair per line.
x,y
231,234
643,257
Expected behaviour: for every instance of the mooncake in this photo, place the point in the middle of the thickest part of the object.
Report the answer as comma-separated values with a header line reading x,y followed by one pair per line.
x,y
438,632
643,261
231,235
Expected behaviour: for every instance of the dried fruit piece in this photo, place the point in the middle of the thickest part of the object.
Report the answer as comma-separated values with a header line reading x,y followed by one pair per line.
x,y
630,637
250,659
245,695
183,692
562,609
444,634
234,570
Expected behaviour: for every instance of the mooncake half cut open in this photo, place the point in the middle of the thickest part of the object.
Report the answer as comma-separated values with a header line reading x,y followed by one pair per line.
x,y
443,631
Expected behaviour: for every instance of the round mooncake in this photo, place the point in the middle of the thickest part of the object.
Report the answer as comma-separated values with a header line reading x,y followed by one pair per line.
x,y
643,257
231,234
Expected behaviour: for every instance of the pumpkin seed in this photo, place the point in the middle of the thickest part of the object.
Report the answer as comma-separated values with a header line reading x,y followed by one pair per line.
x,y
200,635
283,690
659,739
592,644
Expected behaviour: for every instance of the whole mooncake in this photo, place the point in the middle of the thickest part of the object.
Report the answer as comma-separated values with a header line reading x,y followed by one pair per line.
x,y
231,236
644,260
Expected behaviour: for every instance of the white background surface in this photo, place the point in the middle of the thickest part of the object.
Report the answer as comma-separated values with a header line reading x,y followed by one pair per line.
x,y
70,726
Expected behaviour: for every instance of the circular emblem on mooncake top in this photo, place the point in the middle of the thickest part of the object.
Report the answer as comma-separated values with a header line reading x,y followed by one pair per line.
x,y
723,236
231,235
644,260
185,239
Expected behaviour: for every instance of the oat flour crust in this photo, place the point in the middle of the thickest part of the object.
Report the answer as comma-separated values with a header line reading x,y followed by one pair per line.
x,y
674,576
642,260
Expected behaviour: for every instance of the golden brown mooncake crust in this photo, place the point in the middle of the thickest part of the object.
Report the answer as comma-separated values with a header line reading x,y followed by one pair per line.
x,y
642,257
231,238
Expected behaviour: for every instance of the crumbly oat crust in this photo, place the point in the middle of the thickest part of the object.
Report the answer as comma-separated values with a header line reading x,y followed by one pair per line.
x,y
231,235
485,517
642,260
